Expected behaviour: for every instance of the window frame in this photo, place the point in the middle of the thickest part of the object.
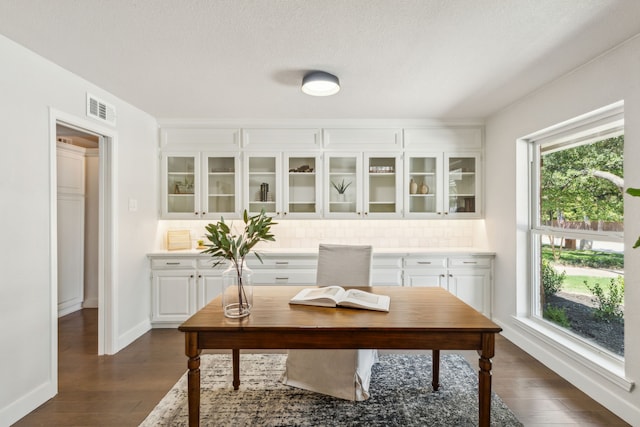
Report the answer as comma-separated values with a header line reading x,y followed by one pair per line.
x,y
595,126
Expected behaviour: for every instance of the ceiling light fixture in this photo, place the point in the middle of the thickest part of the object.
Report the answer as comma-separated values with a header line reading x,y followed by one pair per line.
x,y
319,83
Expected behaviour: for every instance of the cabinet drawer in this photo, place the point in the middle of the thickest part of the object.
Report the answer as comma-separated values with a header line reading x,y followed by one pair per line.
x,y
425,262
160,263
207,264
282,263
289,277
469,262
386,261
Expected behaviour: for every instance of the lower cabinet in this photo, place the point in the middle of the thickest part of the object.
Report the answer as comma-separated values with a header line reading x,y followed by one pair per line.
x,y
467,277
182,285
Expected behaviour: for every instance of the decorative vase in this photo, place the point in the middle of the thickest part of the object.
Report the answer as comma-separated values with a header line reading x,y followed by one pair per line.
x,y
237,291
424,188
413,187
341,197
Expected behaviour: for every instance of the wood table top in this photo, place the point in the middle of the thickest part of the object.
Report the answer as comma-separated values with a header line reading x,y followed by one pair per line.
x,y
420,309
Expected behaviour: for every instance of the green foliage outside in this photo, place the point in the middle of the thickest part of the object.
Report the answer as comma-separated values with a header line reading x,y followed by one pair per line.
x,y
609,303
569,185
551,279
556,315
586,258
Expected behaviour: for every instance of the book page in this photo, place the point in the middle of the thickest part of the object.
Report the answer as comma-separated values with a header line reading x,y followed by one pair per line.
x,y
322,293
362,296
360,299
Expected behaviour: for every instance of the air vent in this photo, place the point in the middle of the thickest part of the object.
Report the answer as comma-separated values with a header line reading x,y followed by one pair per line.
x,y
100,110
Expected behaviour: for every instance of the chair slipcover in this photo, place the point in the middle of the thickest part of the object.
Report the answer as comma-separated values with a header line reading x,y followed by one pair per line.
x,y
340,373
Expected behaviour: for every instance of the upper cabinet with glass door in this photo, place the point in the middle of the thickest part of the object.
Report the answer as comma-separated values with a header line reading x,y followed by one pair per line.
x,y
290,192
197,185
363,185
262,183
302,186
423,185
462,185
383,186
343,185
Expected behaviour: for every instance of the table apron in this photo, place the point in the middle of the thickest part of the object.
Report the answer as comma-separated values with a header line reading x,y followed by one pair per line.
x,y
319,339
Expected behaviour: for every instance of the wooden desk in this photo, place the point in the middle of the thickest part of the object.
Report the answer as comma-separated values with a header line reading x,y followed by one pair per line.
x,y
419,318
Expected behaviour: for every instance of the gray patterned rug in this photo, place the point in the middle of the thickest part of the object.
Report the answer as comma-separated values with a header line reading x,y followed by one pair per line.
x,y
400,389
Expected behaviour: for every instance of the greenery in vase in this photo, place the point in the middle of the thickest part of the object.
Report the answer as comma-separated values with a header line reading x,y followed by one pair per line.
x,y
225,245
341,188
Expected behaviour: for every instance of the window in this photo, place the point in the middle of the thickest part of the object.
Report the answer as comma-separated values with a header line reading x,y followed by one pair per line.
x,y
576,231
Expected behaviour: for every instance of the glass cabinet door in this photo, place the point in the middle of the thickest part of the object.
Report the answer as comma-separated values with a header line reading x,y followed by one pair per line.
x,y
423,192
301,186
462,184
343,188
382,191
263,183
220,192
181,180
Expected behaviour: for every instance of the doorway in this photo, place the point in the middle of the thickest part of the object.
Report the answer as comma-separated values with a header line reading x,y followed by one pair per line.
x,y
97,145
78,169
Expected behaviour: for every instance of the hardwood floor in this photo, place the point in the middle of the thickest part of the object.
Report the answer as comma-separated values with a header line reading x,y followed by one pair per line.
x,y
120,390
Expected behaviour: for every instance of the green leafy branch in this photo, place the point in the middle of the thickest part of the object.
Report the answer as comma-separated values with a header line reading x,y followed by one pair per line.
x,y
235,247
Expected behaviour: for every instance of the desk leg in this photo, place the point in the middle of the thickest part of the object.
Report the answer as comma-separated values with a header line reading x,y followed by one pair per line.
x,y
193,378
435,369
484,379
236,368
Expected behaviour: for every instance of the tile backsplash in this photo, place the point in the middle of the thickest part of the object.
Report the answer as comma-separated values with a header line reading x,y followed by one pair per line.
x,y
292,234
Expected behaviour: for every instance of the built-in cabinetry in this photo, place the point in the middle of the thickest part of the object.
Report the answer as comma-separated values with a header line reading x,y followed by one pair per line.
x,y
467,277
363,185
200,185
182,284
442,184
301,173
289,191
71,211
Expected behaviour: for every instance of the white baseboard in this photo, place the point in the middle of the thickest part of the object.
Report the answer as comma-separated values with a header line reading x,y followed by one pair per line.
x,y
68,309
133,334
27,403
90,303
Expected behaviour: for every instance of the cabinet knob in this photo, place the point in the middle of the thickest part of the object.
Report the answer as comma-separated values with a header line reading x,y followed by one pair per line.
x,y
359,213
204,213
284,213
366,213
450,275
195,213
442,275
191,276
199,276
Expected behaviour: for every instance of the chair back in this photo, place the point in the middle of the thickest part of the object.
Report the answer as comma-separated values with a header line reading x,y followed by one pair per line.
x,y
344,265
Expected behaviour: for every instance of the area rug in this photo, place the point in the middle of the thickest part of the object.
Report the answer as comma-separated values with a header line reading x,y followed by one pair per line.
x,y
401,395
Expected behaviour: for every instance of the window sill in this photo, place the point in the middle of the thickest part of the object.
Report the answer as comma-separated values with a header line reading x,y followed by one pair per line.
x,y
597,361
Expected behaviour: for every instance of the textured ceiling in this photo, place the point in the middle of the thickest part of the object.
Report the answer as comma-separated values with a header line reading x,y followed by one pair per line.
x,y
445,59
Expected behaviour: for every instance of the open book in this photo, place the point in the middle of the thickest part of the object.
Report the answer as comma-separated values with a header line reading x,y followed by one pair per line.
x,y
333,296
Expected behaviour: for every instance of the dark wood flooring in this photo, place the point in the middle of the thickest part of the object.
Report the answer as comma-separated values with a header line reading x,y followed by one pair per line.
x,y
122,389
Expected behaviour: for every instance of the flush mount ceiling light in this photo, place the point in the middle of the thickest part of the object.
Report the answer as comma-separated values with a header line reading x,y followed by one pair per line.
x,y
319,83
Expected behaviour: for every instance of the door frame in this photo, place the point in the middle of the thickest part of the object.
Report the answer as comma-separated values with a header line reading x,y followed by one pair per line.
x,y
107,226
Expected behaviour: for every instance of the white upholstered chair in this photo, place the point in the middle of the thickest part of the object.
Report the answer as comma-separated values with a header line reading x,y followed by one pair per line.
x,y
340,373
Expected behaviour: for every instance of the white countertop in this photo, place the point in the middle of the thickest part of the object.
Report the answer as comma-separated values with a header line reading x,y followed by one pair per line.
x,y
314,251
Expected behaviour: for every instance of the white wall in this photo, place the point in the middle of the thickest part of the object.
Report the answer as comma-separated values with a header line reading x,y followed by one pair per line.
x,y
609,78
30,85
